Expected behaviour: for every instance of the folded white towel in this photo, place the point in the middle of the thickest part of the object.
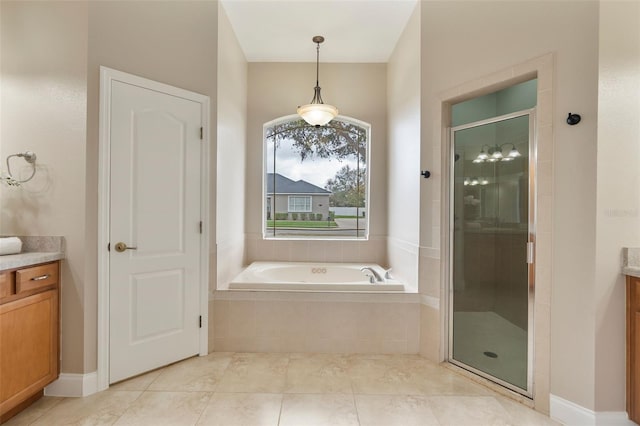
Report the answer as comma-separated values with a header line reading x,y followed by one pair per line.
x,y
10,245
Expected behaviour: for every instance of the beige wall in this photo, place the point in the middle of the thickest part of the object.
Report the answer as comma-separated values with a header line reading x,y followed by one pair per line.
x,y
170,42
618,202
51,53
231,155
462,41
44,86
359,91
403,153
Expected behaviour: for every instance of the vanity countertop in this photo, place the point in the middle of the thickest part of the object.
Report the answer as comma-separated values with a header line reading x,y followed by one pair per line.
x,y
631,261
35,250
12,261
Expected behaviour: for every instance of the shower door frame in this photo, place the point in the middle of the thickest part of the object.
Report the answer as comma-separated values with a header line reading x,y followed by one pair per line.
x,y
531,247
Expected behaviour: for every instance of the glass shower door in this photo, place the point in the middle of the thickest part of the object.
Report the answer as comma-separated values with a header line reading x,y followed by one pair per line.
x,y
491,286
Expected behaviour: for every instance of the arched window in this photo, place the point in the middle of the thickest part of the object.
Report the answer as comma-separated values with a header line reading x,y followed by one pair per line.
x,y
316,179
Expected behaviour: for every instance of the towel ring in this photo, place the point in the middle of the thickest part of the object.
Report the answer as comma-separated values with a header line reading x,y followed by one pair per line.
x,y
29,157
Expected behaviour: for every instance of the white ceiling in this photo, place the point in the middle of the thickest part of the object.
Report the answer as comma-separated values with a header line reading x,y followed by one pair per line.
x,y
354,30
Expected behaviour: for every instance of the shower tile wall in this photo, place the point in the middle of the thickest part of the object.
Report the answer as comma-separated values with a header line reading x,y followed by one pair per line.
x,y
231,255
429,273
430,336
372,251
403,256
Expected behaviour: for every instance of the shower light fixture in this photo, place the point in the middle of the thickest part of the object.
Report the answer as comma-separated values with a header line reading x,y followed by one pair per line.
x,y
474,181
494,153
482,157
514,152
317,113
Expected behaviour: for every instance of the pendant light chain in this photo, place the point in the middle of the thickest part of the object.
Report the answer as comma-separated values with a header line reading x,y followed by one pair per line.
x,y
317,64
317,97
317,113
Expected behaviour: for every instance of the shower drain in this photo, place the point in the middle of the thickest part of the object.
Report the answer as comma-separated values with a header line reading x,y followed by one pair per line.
x,y
491,354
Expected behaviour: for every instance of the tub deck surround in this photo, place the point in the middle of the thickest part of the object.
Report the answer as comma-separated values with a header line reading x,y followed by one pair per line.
x,y
314,277
306,321
262,319
631,261
34,250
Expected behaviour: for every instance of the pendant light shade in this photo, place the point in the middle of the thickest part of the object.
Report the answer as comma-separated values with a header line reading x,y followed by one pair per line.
x,y
317,113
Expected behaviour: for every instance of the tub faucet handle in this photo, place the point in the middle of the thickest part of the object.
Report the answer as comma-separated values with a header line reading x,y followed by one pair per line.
x,y
387,274
372,279
376,278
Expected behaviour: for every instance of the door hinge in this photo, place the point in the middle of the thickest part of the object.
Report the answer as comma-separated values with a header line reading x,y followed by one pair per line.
x,y
201,133
109,247
201,227
529,252
200,322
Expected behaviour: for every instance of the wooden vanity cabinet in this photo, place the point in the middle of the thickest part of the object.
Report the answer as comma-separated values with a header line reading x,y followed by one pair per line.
x,y
633,348
29,335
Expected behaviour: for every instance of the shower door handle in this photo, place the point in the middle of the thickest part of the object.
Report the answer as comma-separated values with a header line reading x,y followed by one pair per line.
x,y
530,252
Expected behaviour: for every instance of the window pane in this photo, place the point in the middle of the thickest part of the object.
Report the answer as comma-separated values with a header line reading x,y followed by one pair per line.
x,y
316,180
299,204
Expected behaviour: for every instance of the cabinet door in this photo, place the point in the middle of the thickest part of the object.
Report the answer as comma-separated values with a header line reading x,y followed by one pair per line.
x,y
28,347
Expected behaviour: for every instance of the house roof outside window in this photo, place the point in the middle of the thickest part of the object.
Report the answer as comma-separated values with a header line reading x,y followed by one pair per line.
x,y
284,185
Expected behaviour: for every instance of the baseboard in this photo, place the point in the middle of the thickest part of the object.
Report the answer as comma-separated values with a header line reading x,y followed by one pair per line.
x,y
613,418
569,413
73,385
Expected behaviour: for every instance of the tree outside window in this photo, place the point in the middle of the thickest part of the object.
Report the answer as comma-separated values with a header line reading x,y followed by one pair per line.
x,y
316,179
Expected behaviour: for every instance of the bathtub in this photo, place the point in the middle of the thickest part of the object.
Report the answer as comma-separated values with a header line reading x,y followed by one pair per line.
x,y
311,276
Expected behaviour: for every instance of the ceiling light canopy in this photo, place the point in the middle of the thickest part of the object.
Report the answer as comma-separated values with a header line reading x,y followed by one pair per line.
x,y
317,113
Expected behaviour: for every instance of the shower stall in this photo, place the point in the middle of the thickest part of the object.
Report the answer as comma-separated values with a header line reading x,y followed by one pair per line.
x,y
492,236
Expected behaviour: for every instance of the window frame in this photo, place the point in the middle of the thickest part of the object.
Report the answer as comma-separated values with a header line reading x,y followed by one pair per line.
x,y
367,228
307,197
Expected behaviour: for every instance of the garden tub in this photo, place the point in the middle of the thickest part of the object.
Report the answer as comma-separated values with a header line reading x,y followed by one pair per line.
x,y
313,276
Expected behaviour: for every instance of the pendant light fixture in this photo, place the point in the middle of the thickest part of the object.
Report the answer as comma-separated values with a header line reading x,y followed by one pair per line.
x,y
317,113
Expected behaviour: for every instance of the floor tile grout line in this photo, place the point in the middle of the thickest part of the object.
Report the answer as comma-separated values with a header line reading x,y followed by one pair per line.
x,y
42,413
355,406
170,391
162,370
129,407
205,408
45,411
280,412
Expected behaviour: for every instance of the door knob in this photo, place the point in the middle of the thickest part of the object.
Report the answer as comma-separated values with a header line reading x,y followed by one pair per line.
x,y
120,247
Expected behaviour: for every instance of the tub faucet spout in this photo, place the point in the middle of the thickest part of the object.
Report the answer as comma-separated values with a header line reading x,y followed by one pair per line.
x,y
377,276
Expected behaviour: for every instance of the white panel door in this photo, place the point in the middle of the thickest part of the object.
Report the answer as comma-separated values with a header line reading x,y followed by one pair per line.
x,y
155,211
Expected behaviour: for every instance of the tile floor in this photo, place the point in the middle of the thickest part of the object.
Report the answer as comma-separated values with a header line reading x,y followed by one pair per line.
x,y
289,389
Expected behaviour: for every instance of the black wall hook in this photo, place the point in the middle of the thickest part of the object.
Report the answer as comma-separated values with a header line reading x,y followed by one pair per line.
x,y
573,119
425,174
